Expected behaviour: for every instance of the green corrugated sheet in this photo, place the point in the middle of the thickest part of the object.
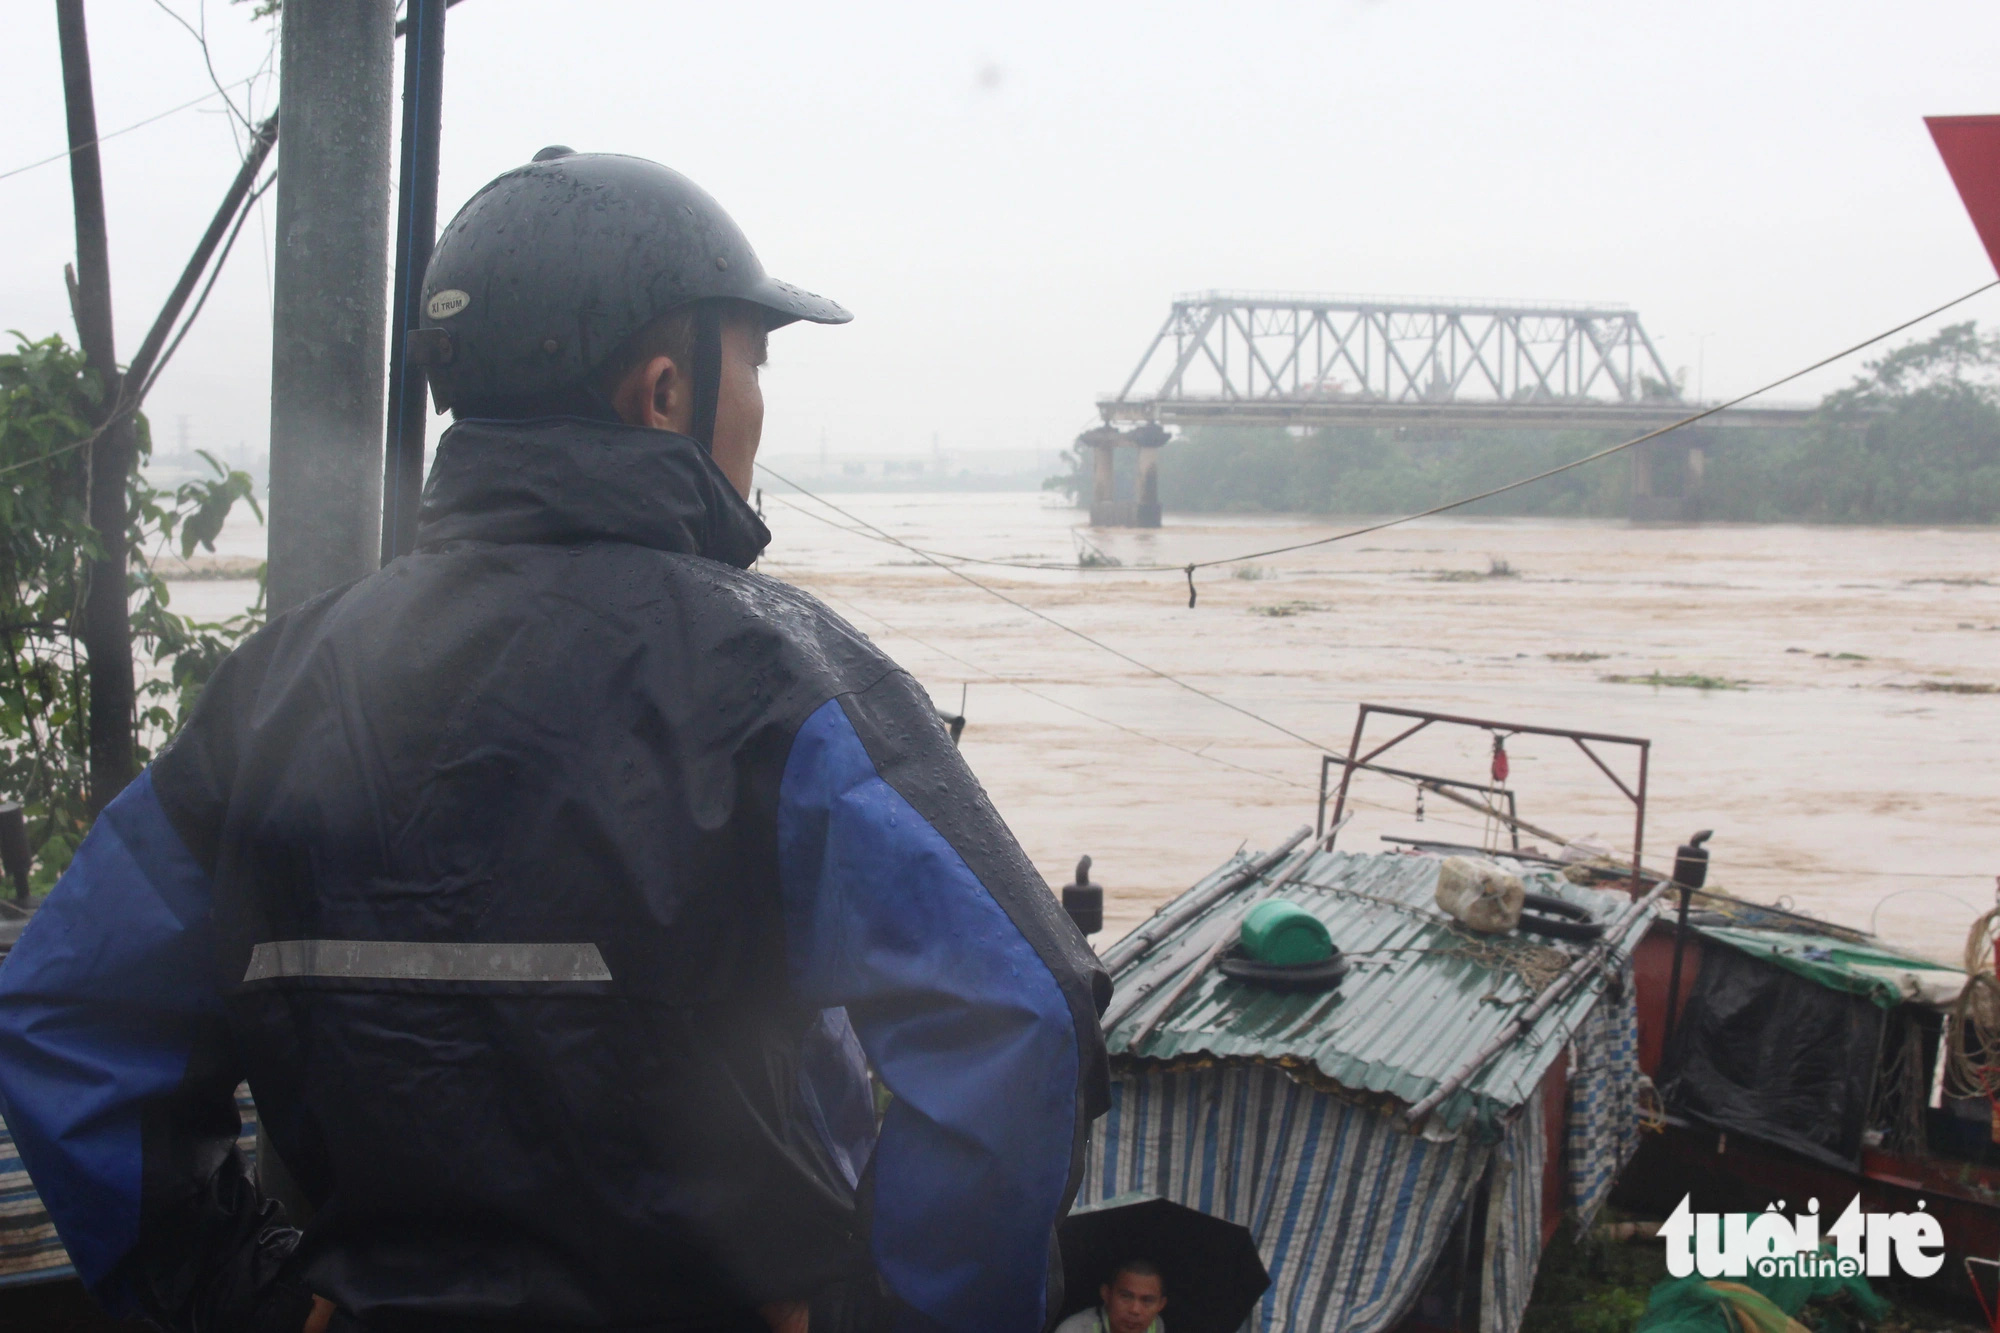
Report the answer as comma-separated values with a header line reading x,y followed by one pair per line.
x,y
1412,1009
1875,971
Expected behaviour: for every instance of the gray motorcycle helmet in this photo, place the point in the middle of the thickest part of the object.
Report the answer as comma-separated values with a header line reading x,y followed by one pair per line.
x,y
552,266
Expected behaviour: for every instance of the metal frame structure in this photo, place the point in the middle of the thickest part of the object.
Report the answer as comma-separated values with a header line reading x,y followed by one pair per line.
x,y
1260,358
1242,346
1501,730
1424,781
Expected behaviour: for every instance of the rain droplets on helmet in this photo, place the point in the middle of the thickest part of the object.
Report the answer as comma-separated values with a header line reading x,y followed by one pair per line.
x,y
553,265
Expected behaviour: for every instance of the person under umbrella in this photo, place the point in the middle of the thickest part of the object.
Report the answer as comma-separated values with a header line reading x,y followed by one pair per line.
x,y
1217,1279
1132,1300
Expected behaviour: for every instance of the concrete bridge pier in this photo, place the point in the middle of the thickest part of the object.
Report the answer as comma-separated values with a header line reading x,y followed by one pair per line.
x,y
1667,477
1136,502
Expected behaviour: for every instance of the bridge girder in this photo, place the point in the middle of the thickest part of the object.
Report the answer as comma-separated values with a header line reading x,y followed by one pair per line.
x,y
1254,357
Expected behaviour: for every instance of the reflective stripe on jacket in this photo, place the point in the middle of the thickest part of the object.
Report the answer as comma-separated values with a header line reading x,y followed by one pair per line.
x,y
548,886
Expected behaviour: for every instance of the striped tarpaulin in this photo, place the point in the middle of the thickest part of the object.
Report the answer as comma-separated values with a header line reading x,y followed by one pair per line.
x,y
1603,1129
29,1248
1513,1222
1348,1212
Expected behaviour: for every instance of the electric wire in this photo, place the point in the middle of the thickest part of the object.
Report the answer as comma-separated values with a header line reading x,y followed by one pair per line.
x,y
219,91
128,402
214,273
1118,653
200,36
861,527
135,125
1189,568
1166,676
1005,679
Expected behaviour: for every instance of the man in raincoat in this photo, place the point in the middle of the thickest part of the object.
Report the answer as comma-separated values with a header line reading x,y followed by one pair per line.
x,y
556,887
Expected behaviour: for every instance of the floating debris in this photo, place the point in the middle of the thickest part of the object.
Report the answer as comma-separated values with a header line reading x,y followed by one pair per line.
x,y
1682,681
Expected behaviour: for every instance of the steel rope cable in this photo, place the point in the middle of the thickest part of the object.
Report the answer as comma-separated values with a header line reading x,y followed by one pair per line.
x,y
936,557
1096,643
1067,629
1081,712
1004,679
883,536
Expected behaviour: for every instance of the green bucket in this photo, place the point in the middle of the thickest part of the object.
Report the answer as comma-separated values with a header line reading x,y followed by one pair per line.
x,y
1281,932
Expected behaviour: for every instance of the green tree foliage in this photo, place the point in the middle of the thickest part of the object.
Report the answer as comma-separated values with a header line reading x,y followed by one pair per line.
x,y
1348,470
47,402
1915,439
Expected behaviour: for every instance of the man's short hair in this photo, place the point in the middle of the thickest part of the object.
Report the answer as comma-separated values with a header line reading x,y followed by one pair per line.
x,y
669,335
1137,1268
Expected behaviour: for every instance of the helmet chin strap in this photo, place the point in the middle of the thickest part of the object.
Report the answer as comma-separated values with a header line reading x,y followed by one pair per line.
x,y
707,371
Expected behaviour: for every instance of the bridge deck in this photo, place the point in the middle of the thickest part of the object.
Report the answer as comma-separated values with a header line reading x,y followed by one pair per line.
x,y
1633,417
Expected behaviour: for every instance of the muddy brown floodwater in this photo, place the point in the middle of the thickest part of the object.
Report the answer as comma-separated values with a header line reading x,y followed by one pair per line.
x,y
1850,762
1841,764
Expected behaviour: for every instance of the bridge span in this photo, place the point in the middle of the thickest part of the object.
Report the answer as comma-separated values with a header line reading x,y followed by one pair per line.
x,y
1273,359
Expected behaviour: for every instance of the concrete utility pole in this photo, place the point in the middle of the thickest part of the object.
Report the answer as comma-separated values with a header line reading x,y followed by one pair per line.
x,y
107,627
330,322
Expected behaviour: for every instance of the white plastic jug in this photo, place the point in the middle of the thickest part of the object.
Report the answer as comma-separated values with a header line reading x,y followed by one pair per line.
x,y
1480,894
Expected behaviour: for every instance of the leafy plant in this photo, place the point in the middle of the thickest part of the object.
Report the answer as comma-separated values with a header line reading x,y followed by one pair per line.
x,y
48,399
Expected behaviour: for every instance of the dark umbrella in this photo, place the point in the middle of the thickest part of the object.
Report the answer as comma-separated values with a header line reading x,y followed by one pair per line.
x,y
1209,1267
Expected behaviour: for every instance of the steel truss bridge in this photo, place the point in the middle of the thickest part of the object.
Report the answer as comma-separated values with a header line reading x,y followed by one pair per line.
x,y
1266,359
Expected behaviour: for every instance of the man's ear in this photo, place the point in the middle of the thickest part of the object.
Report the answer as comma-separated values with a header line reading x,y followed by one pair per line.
x,y
653,395
666,379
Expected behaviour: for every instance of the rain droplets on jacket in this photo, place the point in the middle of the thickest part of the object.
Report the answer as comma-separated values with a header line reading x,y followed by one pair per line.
x,y
548,887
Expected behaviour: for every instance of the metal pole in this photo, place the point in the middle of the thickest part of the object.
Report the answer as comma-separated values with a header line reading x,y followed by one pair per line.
x,y
416,233
1319,821
331,295
1347,773
1639,816
1674,977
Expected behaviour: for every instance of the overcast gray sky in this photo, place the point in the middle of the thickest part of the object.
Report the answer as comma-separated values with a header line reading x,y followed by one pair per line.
x,y
1009,195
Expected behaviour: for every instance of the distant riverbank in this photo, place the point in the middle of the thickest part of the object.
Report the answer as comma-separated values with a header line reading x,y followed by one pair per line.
x,y
1824,697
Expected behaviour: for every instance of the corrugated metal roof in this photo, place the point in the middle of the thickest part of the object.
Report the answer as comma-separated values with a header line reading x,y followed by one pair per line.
x,y
1422,995
1876,970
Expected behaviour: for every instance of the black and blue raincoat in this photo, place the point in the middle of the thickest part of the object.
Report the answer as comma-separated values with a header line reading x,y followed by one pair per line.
x,y
554,889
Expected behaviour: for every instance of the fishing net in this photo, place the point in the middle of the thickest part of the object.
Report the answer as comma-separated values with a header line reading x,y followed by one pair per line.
x,y
1537,965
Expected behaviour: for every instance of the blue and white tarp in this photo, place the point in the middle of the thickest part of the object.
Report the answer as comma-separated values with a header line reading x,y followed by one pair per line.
x,y
1348,1211
1603,1129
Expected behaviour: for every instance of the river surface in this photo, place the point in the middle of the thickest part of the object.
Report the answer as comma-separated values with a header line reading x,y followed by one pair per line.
x,y
1851,766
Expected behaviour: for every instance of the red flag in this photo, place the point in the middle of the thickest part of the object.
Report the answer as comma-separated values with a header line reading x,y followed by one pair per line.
x,y
1970,146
